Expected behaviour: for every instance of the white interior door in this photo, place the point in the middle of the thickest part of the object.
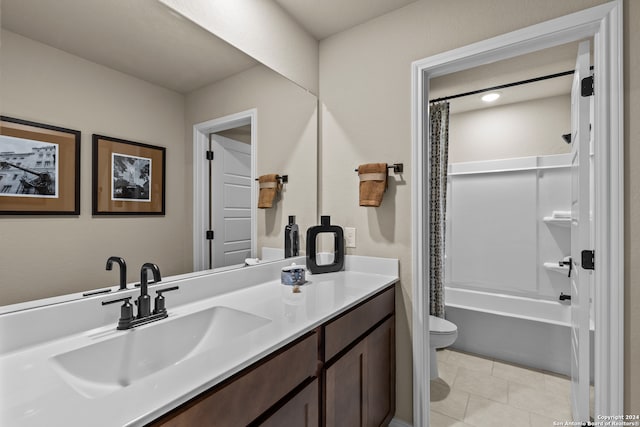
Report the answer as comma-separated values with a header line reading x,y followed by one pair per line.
x,y
580,238
230,201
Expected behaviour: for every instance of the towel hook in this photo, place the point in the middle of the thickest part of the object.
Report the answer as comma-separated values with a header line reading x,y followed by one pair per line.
x,y
397,167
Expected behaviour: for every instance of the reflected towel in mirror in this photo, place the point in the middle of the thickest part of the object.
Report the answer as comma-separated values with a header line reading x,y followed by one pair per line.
x,y
269,187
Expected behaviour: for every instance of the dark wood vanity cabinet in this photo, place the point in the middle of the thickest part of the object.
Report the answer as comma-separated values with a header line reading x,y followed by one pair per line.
x,y
340,374
359,382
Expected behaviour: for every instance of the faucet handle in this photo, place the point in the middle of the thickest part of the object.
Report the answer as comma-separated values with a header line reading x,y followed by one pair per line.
x,y
113,301
159,300
126,312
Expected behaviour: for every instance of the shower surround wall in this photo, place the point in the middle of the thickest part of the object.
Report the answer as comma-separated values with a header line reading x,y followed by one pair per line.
x,y
503,246
497,237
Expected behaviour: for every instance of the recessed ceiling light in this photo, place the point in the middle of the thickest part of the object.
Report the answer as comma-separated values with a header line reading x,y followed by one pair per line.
x,y
490,97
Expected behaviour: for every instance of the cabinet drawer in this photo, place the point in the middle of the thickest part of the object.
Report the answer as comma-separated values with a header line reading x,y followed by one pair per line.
x,y
244,397
342,331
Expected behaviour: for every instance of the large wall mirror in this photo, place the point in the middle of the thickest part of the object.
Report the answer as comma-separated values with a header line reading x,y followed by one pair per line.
x,y
140,72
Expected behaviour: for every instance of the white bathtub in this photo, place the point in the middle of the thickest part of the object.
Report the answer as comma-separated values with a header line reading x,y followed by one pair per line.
x,y
525,331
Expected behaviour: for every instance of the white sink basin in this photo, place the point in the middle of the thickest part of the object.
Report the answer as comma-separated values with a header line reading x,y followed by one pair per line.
x,y
107,366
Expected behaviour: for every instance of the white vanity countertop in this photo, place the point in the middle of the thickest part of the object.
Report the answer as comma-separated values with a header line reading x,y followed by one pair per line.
x,y
33,393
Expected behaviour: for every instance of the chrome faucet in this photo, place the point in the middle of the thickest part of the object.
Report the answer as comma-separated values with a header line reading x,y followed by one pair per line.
x,y
127,319
123,270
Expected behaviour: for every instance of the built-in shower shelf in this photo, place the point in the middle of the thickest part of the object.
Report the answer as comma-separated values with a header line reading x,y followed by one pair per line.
x,y
554,266
562,222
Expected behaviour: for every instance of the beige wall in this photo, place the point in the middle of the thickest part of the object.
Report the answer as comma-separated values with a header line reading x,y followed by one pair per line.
x,y
521,129
47,256
365,94
260,29
287,140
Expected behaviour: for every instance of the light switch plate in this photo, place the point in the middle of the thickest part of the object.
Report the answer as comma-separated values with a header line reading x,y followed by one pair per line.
x,y
350,237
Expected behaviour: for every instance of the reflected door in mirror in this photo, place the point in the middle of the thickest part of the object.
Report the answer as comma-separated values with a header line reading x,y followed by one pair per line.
x,y
230,201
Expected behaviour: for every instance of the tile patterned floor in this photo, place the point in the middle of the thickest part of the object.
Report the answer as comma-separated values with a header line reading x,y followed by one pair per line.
x,y
473,391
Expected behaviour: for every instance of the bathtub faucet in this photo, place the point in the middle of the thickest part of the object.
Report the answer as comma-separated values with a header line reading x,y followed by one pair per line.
x,y
564,297
564,262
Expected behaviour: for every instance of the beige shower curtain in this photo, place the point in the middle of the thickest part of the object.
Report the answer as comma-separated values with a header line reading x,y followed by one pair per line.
x,y
439,154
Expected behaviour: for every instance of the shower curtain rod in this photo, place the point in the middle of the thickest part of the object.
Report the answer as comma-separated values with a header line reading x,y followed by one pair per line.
x,y
521,82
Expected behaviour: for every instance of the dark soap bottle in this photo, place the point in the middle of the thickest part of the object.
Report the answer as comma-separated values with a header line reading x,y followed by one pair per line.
x,y
291,238
312,246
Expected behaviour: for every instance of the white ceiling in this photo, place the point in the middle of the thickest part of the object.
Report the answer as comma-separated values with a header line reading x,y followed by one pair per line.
x,y
322,18
142,38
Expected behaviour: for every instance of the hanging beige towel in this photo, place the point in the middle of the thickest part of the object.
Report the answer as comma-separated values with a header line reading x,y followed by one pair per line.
x,y
373,183
269,186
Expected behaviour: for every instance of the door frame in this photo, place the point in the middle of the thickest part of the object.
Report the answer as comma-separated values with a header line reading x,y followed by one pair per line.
x,y
201,198
604,24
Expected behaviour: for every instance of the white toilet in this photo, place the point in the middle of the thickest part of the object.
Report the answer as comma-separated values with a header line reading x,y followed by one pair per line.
x,y
442,333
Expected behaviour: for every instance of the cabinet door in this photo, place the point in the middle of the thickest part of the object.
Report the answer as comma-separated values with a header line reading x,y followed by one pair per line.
x,y
380,375
301,411
360,385
344,389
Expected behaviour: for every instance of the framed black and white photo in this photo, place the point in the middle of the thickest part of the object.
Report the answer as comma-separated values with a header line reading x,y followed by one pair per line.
x,y
39,168
128,177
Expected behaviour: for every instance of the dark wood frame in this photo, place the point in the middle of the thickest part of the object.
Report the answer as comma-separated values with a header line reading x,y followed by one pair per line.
x,y
68,140
102,204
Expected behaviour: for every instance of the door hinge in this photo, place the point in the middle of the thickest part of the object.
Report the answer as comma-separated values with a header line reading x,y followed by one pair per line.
x,y
209,235
586,86
588,260
209,155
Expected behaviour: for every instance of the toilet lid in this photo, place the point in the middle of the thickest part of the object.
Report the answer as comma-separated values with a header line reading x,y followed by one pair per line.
x,y
438,325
